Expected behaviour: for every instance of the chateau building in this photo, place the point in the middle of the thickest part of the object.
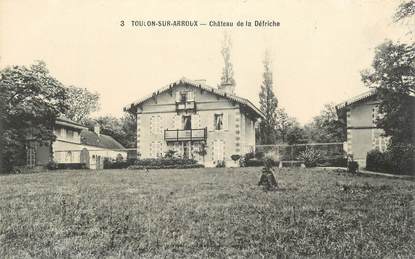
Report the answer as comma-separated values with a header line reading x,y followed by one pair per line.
x,y
196,121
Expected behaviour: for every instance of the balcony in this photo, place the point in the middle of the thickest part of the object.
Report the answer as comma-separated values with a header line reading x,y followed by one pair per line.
x,y
186,105
185,135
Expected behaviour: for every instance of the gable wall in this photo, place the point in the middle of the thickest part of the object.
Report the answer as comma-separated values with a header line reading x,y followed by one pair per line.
x,y
362,133
234,137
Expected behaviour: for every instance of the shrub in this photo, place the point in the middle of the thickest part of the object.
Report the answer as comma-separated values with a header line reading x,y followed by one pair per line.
x,y
256,162
337,161
52,165
259,155
249,155
118,164
220,163
170,153
164,163
310,156
376,161
352,167
397,159
235,157
55,166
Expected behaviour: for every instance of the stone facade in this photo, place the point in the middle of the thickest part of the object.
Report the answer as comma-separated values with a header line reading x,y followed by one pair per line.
x,y
69,148
362,133
185,117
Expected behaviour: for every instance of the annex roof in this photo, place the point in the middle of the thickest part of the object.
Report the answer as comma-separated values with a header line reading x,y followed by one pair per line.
x,y
203,86
356,99
90,138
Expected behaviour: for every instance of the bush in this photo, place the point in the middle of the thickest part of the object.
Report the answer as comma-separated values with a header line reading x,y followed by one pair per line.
x,y
220,163
235,157
54,166
259,155
377,161
118,164
397,159
352,167
164,163
249,155
337,161
310,156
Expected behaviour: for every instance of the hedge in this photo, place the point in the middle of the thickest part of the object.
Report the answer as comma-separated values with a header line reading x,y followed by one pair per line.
x,y
165,163
397,159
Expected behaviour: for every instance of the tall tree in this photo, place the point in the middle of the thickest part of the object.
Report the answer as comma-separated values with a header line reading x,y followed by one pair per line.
x,y
31,100
123,130
268,103
405,10
283,124
81,103
326,128
393,76
227,71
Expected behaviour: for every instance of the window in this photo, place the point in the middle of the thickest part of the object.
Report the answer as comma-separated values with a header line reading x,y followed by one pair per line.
x,y
58,132
218,122
187,122
69,134
156,149
155,125
31,156
183,97
68,157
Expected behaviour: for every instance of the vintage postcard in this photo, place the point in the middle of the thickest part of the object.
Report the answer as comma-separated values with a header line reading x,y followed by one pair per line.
x,y
207,129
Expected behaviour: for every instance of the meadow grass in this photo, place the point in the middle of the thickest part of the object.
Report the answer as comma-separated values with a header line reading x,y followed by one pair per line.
x,y
205,213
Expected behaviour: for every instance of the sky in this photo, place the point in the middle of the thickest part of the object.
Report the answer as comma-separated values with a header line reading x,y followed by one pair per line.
x,y
318,51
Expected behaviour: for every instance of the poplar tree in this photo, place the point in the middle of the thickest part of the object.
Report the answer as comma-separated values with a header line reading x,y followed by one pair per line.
x,y
268,104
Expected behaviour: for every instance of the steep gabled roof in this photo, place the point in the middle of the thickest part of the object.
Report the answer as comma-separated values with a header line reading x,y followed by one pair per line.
x,y
90,138
359,98
201,85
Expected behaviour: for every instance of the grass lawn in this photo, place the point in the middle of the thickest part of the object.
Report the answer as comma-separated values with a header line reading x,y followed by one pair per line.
x,y
205,213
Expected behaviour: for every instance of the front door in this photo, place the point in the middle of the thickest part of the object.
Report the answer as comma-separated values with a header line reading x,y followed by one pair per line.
x,y
187,149
85,157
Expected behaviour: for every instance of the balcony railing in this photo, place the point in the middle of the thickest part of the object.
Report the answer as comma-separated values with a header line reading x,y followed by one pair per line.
x,y
185,135
188,105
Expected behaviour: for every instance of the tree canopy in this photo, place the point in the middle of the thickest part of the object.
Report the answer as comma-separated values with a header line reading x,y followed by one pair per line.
x,y
227,71
326,128
31,100
268,104
81,103
393,76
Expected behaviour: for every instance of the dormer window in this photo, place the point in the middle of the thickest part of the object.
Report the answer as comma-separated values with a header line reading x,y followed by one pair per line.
x,y
184,96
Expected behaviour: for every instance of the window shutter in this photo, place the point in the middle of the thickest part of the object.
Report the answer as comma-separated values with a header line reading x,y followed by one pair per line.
x,y
196,121
225,120
177,96
160,124
190,96
151,124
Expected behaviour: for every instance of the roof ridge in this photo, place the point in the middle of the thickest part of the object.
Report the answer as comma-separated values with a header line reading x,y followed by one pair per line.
x,y
197,84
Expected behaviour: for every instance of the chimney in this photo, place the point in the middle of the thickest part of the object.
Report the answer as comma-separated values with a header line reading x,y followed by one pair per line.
x,y
228,88
97,129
